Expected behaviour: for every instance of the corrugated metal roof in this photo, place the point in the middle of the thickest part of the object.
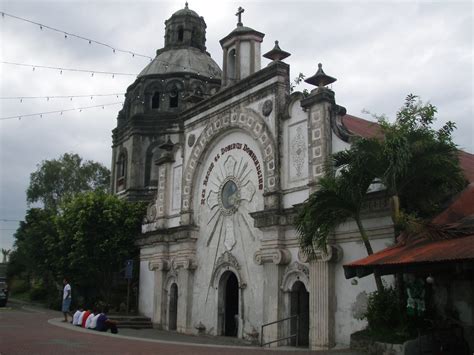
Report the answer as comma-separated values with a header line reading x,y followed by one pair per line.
x,y
458,216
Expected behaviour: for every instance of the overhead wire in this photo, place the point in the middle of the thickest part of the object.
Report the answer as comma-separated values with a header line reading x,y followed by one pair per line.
x,y
41,114
49,97
61,69
69,34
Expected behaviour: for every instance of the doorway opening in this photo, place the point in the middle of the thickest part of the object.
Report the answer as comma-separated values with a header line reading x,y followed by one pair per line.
x,y
173,307
300,306
228,305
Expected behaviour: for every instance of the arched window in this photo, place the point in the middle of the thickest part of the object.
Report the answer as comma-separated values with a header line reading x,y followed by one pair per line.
x,y
194,40
155,100
174,96
151,169
231,59
121,171
180,34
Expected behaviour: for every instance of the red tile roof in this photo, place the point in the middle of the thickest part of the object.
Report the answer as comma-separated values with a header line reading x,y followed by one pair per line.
x,y
462,206
369,129
467,163
361,127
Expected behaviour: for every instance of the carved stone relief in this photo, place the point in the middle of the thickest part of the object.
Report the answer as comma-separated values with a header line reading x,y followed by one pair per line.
x,y
191,140
275,256
298,151
176,195
295,272
226,262
227,191
267,108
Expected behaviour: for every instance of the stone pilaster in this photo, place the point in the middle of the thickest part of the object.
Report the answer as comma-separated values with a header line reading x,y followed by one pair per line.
x,y
322,299
185,297
274,262
160,267
164,185
321,304
319,105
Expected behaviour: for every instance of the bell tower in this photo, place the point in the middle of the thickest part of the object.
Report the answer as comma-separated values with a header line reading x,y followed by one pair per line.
x,y
241,52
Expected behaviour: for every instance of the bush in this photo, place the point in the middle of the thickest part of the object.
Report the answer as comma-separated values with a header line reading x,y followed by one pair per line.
x,y
18,286
38,293
383,310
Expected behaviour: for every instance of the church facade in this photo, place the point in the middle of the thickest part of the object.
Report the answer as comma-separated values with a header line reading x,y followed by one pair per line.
x,y
224,157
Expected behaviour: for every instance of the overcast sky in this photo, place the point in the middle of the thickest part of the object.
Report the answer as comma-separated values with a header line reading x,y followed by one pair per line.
x,y
379,52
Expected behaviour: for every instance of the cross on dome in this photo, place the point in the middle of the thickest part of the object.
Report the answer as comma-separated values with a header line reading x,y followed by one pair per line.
x,y
240,10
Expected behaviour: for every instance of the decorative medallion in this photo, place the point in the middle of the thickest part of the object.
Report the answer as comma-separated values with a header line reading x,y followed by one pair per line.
x,y
151,213
227,191
267,108
191,140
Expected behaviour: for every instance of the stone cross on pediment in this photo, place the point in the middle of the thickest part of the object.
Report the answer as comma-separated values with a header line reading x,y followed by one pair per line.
x,y
240,10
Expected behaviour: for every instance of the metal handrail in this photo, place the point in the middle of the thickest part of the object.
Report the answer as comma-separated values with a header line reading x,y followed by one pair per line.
x,y
279,339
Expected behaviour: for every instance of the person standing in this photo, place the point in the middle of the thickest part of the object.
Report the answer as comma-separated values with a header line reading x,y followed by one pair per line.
x,y
66,299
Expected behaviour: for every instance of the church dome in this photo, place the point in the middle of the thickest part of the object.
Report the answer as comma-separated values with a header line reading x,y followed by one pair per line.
x,y
185,12
183,60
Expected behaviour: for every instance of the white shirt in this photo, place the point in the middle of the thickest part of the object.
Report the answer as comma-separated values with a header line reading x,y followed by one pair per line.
x,y
75,317
93,321
89,320
67,291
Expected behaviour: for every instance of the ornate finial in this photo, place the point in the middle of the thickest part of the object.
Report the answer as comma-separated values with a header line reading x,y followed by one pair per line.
x,y
186,5
168,146
276,54
240,10
320,79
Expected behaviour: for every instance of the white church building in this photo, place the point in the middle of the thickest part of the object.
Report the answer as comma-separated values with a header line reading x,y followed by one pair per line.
x,y
224,158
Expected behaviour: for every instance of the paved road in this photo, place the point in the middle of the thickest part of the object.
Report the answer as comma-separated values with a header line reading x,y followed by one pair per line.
x,y
30,330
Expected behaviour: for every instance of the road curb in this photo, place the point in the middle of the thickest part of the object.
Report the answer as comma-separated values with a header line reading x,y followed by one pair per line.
x,y
57,322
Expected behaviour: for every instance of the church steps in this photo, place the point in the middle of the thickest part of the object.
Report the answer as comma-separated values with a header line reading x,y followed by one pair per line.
x,y
132,322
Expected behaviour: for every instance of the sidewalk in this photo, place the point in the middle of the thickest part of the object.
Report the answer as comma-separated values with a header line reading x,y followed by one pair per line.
x,y
174,338
167,337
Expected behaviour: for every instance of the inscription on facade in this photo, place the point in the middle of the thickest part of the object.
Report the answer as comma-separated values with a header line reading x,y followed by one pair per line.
x,y
224,151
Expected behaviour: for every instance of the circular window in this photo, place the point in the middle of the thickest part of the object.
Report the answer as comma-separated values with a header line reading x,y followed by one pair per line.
x,y
230,196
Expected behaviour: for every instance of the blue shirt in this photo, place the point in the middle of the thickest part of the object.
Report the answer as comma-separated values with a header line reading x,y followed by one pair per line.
x,y
100,326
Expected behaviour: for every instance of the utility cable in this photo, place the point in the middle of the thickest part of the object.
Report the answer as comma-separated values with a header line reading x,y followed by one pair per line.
x,y
68,34
21,98
41,114
67,69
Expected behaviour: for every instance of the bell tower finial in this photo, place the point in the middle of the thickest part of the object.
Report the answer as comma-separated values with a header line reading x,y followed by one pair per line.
x,y
240,10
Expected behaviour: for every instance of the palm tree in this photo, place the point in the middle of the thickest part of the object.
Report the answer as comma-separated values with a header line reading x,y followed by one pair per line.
x,y
5,253
417,165
337,199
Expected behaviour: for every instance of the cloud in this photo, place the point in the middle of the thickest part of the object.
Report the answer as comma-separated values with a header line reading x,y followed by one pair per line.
x,y
378,51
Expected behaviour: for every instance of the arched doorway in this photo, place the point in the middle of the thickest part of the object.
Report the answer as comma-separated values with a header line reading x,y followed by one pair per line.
x,y
299,305
228,311
173,307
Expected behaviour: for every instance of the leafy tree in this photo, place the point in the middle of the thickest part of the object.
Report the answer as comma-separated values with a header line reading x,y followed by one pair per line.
x,y
336,199
57,179
31,241
417,165
96,235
